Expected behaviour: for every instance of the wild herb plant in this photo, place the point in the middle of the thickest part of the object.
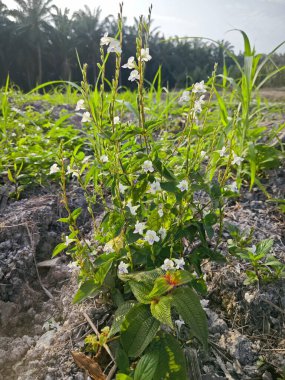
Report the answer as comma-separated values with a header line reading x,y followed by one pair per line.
x,y
160,203
244,96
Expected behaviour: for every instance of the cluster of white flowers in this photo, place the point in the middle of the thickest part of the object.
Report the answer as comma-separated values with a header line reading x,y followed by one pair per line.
x,y
197,88
170,264
112,43
185,97
131,64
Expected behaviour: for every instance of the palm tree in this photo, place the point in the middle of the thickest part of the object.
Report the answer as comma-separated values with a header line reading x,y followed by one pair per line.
x,y
32,18
62,42
88,31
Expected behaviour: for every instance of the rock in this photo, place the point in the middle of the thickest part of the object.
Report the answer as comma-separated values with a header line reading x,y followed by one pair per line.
x,y
239,347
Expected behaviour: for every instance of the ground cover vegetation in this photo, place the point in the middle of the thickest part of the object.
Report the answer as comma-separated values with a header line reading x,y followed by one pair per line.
x,y
157,168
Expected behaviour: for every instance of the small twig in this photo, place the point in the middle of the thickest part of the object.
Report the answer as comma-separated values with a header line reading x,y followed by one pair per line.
x,y
112,372
98,334
47,292
223,367
273,305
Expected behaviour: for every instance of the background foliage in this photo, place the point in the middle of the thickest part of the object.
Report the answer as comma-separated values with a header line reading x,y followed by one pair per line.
x,y
39,42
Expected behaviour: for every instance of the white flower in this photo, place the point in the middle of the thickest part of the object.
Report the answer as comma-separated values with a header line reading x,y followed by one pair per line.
x,y
222,151
130,64
139,227
72,171
68,241
249,297
154,187
80,105
134,75
86,159
179,323
116,120
232,187
145,55
160,212
86,118
199,87
54,169
105,40
13,134
198,104
122,188
179,263
133,209
114,46
151,237
104,158
162,232
183,185
237,160
123,268
184,97
147,166
108,248
203,154
73,265
252,249
167,264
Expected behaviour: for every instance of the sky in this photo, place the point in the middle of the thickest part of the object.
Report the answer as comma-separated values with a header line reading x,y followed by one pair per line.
x,y
262,20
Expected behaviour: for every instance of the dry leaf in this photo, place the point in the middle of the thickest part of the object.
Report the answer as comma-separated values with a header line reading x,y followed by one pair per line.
x,y
89,365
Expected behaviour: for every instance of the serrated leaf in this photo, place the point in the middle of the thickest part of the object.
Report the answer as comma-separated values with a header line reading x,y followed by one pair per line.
x,y
187,304
138,330
161,310
147,276
141,291
119,316
160,287
264,247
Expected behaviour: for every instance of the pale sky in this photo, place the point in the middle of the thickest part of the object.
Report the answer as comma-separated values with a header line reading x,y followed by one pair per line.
x,y
262,20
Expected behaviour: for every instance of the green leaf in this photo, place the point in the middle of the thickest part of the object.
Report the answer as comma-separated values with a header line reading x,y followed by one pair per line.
x,y
264,247
119,316
161,310
147,276
162,169
88,288
141,291
122,360
122,376
160,287
138,330
171,362
59,248
187,304
146,366
170,187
